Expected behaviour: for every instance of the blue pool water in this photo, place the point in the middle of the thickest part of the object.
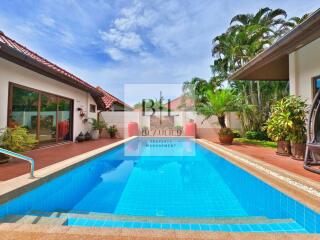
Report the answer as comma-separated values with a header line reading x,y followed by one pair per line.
x,y
166,178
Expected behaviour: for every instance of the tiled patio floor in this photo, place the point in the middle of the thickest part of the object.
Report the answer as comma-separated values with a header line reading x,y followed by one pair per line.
x,y
46,156
269,155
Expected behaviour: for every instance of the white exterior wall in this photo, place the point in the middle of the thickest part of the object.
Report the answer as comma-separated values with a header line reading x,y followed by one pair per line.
x,y
304,64
121,120
10,72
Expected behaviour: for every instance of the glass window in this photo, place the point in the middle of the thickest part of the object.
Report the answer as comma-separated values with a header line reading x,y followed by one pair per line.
x,y
92,108
48,120
24,110
64,119
316,85
46,115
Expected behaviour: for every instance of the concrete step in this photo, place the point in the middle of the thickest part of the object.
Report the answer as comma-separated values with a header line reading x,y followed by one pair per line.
x,y
33,219
125,218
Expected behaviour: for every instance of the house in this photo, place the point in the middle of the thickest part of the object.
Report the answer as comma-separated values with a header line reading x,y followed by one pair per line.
x,y
294,57
113,103
49,101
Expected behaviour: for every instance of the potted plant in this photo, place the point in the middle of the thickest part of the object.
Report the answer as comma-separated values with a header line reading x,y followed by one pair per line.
x,y
97,125
218,103
226,135
17,140
179,130
81,137
112,130
298,112
278,126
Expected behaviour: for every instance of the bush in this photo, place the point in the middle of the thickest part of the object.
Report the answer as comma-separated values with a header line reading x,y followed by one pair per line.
x,y
256,135
18,139
236,134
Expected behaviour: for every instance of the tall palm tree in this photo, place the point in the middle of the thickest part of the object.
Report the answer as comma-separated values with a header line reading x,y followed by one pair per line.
x,y
247,36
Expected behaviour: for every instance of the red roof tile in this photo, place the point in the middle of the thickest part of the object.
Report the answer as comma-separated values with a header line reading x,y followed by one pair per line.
x,y
27,52
109,99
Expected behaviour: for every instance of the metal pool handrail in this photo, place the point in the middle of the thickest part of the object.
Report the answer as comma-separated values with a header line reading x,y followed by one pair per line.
x,y
22,157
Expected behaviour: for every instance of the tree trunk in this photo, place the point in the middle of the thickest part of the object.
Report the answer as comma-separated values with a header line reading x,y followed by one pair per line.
x,y
222,121
259,96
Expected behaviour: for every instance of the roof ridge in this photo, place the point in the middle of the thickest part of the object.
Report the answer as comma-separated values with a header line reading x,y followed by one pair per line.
x,y
59,69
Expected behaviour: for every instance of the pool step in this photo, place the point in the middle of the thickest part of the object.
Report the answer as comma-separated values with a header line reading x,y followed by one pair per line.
x,y
285,225
251,224
32,219
125,218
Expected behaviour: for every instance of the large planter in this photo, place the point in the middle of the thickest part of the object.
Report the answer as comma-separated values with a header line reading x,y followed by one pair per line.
x,y
283,148
103,133
298,150
95,134
4,158
226,139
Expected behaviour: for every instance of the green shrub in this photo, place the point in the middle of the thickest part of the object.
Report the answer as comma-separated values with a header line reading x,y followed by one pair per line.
x,y
236,134
18,139
287,120
256,135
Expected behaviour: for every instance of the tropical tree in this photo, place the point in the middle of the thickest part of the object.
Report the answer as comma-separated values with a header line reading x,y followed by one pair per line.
x,y
247,36
219,103
196,89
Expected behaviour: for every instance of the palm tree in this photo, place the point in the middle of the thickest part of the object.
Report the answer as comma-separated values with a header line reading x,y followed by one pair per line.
x,y
219,103
196,90
247,36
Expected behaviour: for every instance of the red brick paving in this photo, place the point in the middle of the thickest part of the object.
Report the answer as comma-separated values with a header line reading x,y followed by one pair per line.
x,y
46,156
269,155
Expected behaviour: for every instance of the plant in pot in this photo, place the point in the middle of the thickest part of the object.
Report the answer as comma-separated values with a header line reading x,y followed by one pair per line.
x,y
17,140
298,112
97,125
218,103
112,130
278,126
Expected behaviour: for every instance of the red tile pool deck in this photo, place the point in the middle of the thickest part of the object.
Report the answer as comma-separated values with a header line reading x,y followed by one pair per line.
x,y
46,156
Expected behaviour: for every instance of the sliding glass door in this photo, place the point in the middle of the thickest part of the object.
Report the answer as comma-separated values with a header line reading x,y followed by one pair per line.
x,y
46,115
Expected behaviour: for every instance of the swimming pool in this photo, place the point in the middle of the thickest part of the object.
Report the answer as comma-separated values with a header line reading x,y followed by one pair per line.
x,y
168,184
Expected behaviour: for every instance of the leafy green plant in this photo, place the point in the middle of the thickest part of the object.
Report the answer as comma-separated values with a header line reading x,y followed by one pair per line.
x,y
218,103
236,133
97,124
178,128
287,120
225,132
17,139
112,130
257,135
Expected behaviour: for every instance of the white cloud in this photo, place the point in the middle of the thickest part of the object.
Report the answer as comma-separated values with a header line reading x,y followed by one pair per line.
x,y
124,40
115,54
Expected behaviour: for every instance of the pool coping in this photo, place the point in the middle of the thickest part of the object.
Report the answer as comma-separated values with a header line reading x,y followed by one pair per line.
x,y
32,231
303,190
17,186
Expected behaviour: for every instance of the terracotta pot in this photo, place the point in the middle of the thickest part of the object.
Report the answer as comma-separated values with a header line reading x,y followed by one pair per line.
x,y
103,133
298,150
283,148
226,139
4,158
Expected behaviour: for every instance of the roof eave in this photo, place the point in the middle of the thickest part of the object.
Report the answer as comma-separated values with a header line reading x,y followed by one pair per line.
x,y
23,60
297,38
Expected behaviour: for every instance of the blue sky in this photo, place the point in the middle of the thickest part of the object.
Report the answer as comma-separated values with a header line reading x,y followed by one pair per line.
x,y
112,43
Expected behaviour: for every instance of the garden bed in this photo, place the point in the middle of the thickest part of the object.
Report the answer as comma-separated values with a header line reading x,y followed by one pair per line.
x,y
256,142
